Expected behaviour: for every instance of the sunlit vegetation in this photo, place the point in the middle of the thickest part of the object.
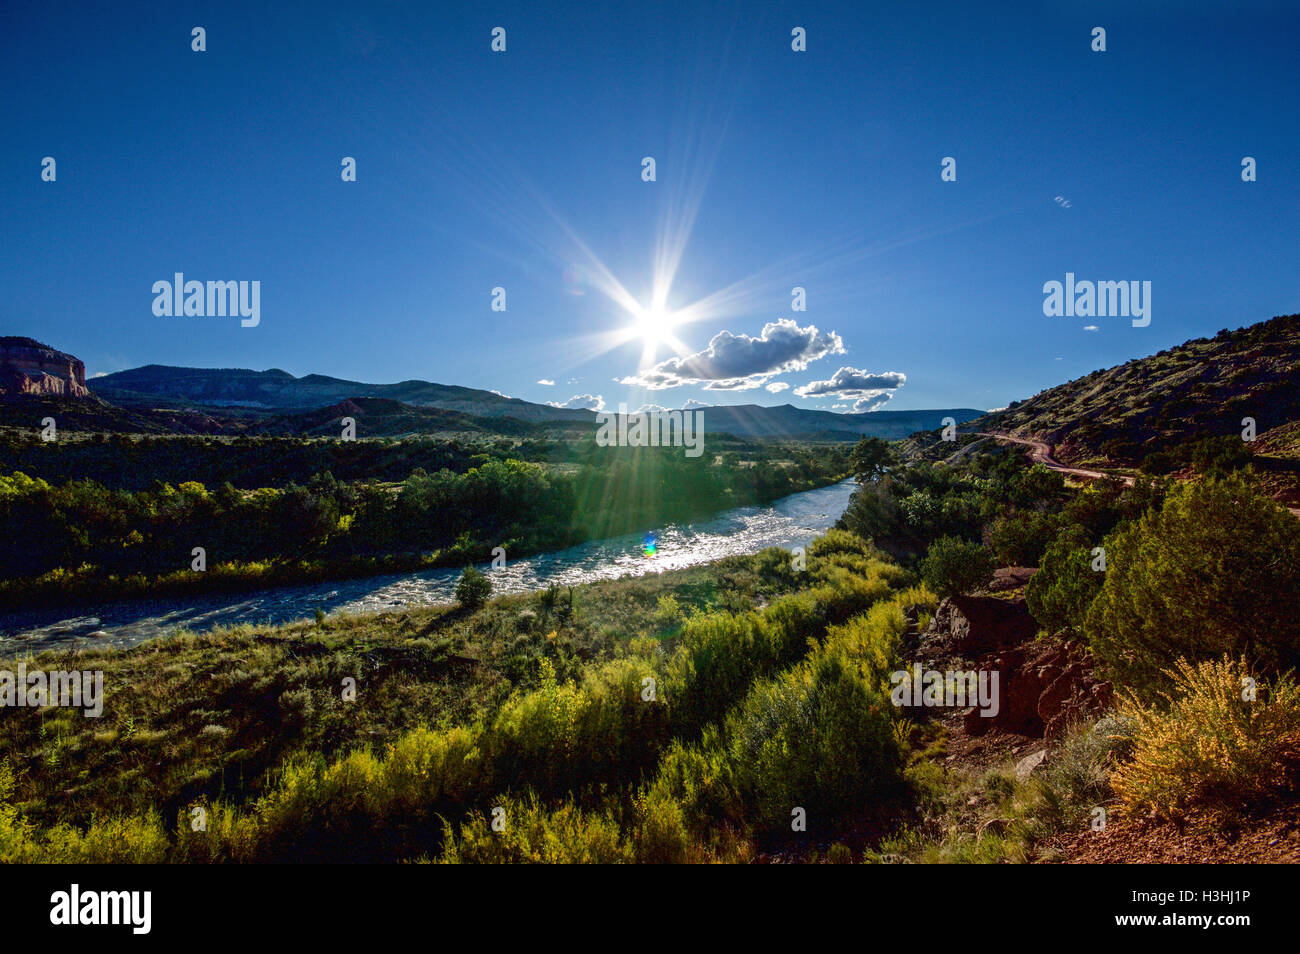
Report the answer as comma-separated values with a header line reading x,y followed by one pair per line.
x,y
700,715
575,747
82,539
1222,737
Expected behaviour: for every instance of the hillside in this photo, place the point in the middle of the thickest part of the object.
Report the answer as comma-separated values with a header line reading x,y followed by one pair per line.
x,y
752,420
1165,402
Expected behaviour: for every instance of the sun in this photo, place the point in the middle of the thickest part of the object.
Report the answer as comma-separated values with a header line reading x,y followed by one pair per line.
x,y
655,325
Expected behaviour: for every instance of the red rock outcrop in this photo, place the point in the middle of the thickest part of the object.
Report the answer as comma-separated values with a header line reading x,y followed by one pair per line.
x,y
1044,683
972,625
1045,686
29,367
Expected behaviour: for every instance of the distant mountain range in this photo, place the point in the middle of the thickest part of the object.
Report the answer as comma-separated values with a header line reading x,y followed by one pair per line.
x,y
1204,387
216,390
277,390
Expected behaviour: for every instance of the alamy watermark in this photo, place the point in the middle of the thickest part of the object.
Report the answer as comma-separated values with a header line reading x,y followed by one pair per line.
x,y
651,429
946,689
74,689
130,908
1087,299
194,299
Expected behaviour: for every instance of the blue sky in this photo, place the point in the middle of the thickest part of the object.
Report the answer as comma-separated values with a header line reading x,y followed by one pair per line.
x,y
523,170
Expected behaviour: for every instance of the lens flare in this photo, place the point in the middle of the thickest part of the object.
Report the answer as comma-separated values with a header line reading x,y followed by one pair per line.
x,y
575,280
650,546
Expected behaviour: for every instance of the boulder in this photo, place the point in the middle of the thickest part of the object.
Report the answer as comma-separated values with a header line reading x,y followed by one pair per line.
x,y
1044,687
973,625
1027,766
1011,578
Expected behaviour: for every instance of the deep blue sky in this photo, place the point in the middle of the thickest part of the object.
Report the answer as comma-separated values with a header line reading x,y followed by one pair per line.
x,y
819,169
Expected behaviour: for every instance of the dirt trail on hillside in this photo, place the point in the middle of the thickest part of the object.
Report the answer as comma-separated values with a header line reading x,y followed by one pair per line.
x,y
1041,453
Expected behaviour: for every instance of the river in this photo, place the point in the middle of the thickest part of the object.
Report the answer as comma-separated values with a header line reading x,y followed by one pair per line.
x,y
789,522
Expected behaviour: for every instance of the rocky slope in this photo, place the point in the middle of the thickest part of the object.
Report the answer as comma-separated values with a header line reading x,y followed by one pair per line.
x,y
1202,388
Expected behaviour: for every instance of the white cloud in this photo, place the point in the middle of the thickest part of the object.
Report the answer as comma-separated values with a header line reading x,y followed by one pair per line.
x,y
853,383
1091,328
776,387
866,389
871,401
694,405
588,402
734,362
498,393
548,383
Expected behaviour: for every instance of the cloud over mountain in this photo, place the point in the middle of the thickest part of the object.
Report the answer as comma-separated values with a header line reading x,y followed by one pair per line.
x,y
584,402
868,390
734,362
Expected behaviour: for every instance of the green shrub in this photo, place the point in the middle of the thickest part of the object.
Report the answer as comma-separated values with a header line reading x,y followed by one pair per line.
x,y
1159,463
839,541
818,737
473,588
953,566
533,833
561,738
129,840
668,612
1077,779
1219,455
1020,539
1060,593
1212,572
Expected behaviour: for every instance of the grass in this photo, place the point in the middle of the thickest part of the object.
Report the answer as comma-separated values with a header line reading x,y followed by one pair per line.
x,y
681,717
458,713
217,714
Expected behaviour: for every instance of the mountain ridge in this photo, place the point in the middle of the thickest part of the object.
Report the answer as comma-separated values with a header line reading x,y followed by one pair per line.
x,y
275,390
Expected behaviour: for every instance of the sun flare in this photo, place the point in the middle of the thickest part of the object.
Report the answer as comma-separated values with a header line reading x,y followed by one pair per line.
x,y
655,325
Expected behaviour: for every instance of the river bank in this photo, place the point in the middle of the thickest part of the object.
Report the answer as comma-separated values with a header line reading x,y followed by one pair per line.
x,y
791,521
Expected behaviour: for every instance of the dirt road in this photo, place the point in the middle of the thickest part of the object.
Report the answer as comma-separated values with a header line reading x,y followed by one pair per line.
x,y
1041,453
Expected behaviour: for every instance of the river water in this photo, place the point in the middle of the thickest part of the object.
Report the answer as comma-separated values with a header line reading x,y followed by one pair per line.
x,y
789,522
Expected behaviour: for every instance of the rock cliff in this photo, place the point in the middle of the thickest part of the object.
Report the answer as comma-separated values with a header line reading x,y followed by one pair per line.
x,y
29,367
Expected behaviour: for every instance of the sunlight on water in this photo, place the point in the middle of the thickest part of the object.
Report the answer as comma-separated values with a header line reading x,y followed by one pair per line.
x,y
790,522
